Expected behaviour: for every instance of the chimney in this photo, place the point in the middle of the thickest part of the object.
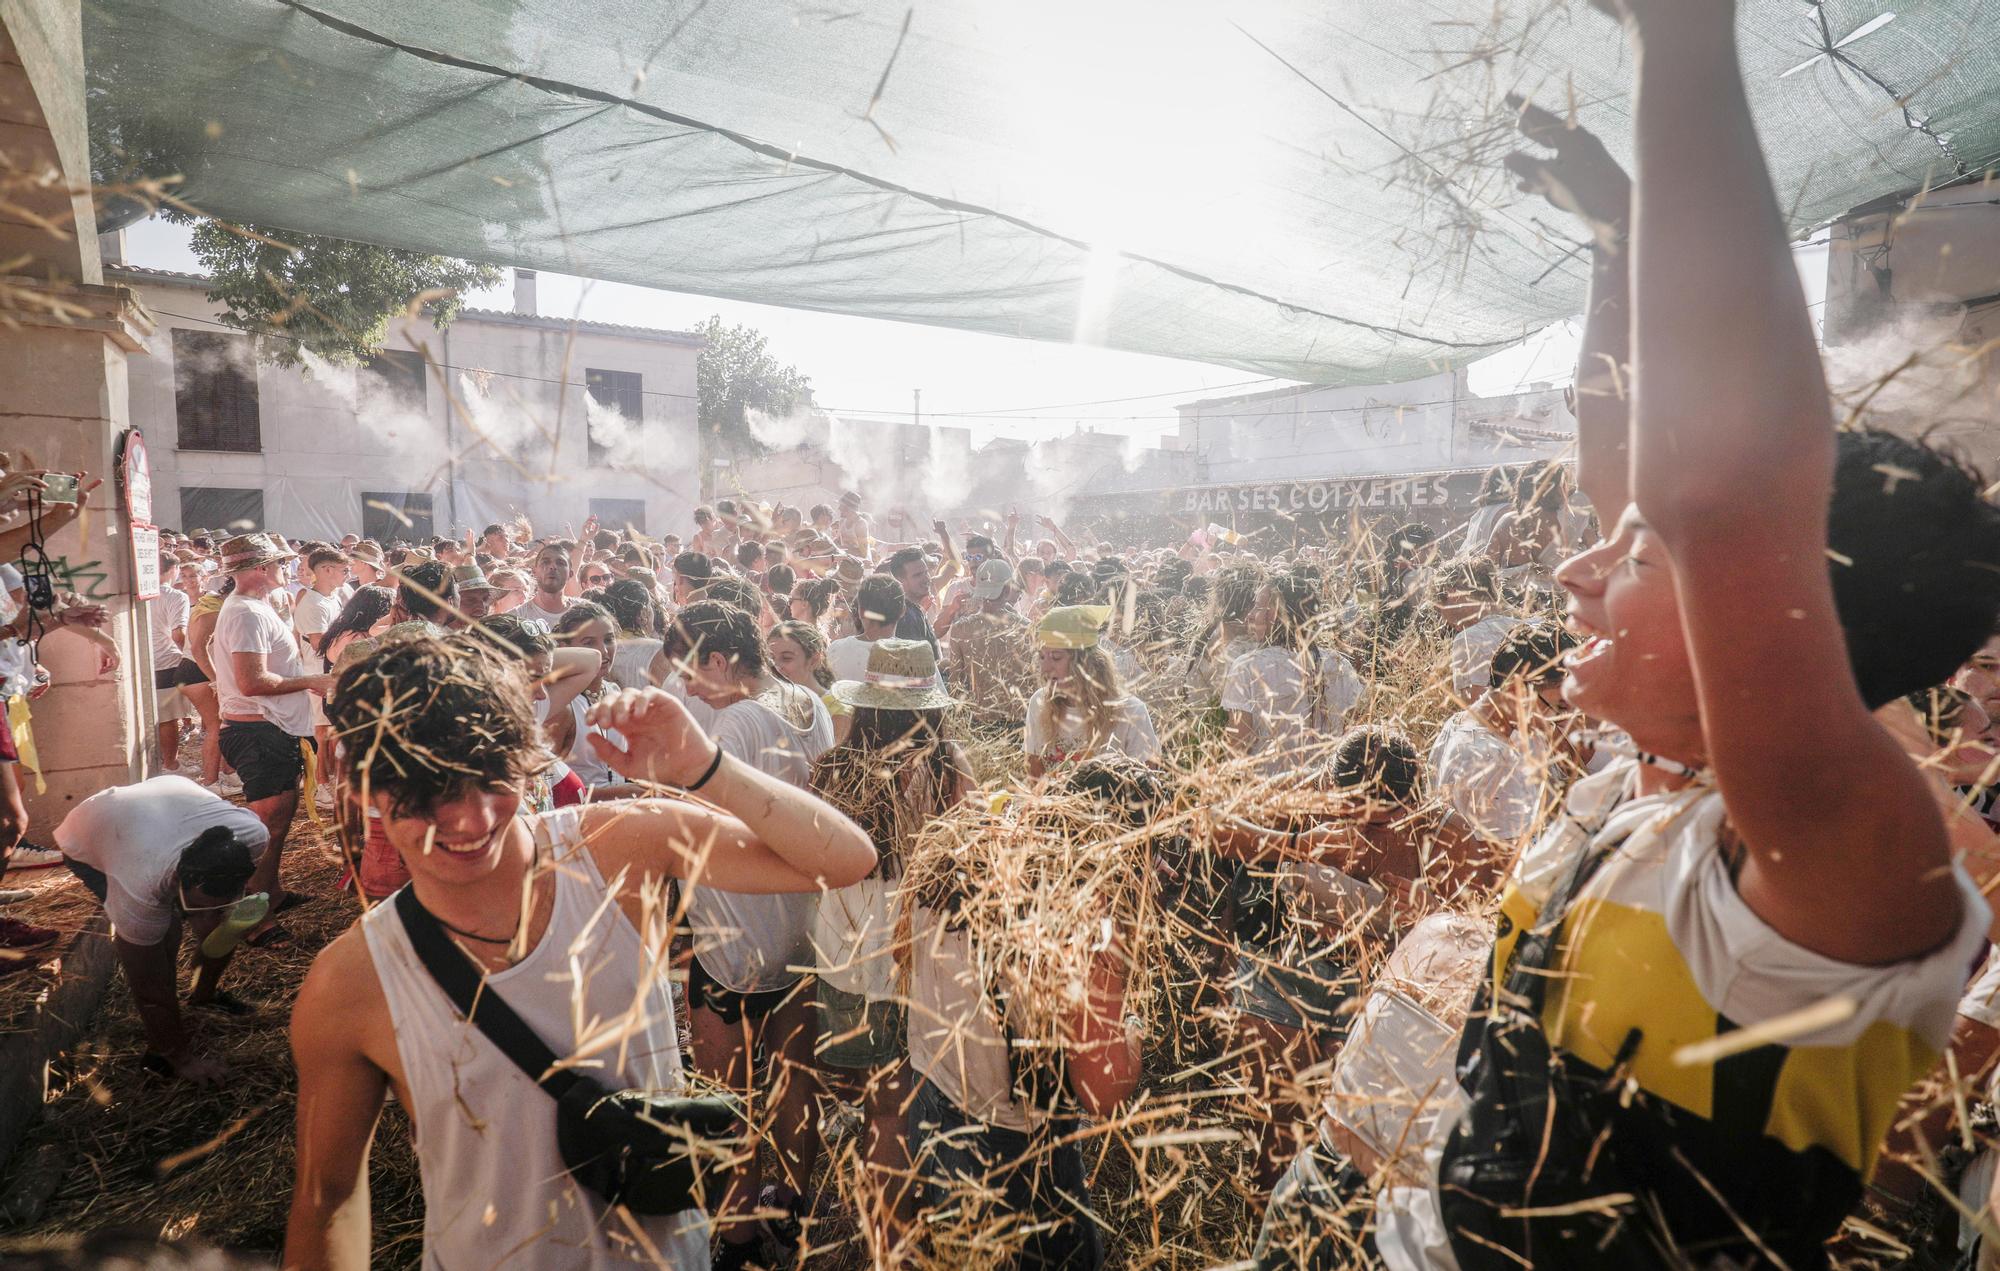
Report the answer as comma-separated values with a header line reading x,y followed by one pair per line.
x,y
524,292
111,247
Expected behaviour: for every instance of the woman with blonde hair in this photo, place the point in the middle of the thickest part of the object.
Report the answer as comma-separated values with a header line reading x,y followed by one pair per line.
x,y
1082,710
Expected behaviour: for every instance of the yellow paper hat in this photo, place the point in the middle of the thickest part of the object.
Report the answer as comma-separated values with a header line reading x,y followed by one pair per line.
x,y
1073,627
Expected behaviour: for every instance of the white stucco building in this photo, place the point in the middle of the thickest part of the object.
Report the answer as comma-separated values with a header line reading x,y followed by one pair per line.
x,y
500,414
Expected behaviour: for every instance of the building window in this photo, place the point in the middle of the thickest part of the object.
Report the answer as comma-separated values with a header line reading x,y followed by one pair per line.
x,y
387,516
221,510
619,514
617,407
399,375
215,391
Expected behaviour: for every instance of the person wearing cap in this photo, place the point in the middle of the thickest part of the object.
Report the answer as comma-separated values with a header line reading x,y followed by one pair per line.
x,y
265,690
957,594
1081,710
313,611
154,853
989,655
852,530
474,591
894,772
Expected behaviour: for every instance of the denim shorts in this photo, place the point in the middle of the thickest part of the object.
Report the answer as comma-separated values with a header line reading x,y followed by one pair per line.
x,y
1004,1179
1309,994
857,1033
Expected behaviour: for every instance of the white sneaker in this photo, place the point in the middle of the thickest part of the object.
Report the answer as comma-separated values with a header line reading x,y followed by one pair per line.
x,y
15,895
228,783
323,799
32,856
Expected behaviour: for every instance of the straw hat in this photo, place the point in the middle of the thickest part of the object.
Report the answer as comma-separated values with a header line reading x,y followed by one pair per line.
x,y
471,578
902,675
1073,626
249,551
367,554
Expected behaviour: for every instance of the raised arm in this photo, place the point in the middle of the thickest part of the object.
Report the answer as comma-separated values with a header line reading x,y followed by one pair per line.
x,y
774,837
1732,459
1582,178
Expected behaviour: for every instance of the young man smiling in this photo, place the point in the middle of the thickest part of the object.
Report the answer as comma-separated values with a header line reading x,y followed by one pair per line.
x,y
525,898
1772,856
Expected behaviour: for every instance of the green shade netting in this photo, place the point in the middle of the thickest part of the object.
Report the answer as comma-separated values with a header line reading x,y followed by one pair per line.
x,y
1308,190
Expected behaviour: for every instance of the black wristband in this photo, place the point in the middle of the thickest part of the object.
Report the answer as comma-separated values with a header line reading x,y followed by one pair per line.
x,y
714,765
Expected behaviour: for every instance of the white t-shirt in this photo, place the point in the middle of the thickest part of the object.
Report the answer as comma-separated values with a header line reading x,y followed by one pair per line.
x,y
168,613
1484,778
252,626
630,658
135,835
17,662
1293,723
1131,733
312,614
847,657
745,943
529,609
1472,654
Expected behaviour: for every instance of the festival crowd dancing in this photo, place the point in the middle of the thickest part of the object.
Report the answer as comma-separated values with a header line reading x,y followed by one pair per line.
x,y
1599,883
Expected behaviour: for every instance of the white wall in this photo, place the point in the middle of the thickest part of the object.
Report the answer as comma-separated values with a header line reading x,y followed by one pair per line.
x,y
1419,426
515,440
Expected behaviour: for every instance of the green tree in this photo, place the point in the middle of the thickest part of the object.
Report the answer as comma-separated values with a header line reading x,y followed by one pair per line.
x,y
736,374
330,296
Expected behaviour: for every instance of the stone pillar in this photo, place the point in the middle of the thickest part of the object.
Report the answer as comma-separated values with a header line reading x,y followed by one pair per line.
x,y
64,337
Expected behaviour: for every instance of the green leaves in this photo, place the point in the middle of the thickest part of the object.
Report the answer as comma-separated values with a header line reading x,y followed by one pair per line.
x,y
329,296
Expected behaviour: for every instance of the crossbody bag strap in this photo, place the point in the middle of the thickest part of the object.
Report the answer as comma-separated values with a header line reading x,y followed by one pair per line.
x,y
475,1001
1527,978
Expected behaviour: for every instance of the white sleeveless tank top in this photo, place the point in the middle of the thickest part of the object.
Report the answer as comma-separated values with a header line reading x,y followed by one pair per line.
x,y
495,1194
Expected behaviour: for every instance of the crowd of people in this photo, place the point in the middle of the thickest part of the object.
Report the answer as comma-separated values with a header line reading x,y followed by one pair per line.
x,y
1598,883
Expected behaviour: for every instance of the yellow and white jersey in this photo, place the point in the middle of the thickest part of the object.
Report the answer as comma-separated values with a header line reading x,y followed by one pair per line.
x,y
1660,941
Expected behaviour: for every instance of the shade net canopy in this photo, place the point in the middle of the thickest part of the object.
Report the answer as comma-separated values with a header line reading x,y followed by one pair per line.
x,y
1307,190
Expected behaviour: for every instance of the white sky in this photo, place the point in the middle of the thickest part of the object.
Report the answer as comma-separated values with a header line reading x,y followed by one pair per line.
x,y
996,386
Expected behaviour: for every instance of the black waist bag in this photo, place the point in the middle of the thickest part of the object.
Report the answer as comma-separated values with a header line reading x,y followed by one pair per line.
x,y
1528,1173
653,1154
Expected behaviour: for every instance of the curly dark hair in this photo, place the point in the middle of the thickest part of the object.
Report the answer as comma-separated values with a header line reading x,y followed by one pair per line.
x,y
425,718
1915,561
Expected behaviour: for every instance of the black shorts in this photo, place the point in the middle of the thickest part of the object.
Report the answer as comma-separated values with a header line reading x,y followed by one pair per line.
x,y
264,755
90,876
732,1007
189,672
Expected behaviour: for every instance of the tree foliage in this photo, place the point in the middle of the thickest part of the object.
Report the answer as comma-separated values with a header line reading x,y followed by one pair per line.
x,y
328,296
736,374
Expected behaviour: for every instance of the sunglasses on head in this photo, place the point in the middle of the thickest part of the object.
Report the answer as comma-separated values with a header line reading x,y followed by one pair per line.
x,y
597,578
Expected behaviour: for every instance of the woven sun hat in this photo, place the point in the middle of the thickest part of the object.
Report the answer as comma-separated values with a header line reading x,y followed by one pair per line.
x,y
995,576
248,551
471,578
902,675
367,554
1073,627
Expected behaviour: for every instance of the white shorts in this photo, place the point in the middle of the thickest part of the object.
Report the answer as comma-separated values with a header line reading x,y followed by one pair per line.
x,y
172,704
